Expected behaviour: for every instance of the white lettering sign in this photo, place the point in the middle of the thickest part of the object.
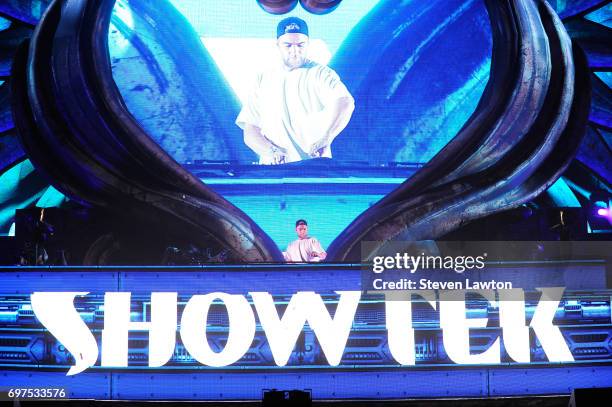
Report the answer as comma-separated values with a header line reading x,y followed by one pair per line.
x,y
56,312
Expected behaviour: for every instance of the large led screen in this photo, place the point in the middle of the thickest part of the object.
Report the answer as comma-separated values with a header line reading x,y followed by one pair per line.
x,y
415,72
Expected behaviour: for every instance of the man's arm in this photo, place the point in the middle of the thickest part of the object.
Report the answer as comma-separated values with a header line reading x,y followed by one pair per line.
x,y
261,145
341,110
249,120
317,250
321,255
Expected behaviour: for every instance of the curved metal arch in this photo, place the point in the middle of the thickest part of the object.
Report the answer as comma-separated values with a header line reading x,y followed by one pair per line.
x,y
74,125
496,162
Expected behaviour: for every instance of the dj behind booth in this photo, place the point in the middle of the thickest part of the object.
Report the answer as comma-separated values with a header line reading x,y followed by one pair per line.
x,y
305,202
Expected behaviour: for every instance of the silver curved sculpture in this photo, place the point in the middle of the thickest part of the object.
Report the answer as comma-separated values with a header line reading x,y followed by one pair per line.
x,y
522,136
77,130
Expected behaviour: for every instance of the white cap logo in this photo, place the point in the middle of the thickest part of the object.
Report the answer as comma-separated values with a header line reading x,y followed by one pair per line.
x,y
291,27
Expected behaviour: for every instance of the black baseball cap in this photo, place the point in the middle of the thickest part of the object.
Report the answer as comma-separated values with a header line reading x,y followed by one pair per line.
x,y
300,222
291,25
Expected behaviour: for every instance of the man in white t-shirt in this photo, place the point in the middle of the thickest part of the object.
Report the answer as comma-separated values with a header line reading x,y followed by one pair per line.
x,y
305,249
295,111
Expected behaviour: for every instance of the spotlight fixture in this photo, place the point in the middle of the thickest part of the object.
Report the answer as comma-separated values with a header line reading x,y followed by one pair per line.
x,y
600,215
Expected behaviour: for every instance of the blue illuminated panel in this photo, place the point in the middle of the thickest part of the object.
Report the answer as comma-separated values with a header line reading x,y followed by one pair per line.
x,y
29,355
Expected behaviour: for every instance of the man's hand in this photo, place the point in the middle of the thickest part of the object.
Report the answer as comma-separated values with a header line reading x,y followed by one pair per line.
x,y
262,145
317,149
321,255
279,154
340,112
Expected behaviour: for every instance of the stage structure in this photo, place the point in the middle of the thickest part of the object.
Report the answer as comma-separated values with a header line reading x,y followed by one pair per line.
x,y
144,242
519,140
